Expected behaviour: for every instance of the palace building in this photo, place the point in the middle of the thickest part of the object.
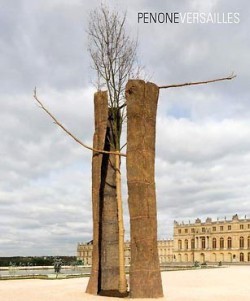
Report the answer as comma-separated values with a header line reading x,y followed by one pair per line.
x,y
212,241
165,250
226,241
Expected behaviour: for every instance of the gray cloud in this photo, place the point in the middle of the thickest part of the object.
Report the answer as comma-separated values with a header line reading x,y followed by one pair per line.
x,y
203,150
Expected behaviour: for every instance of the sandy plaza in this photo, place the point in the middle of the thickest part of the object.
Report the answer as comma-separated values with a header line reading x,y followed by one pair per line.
x,y
219,284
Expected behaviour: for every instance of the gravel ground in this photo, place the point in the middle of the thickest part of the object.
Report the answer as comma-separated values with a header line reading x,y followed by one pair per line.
x,y
224,284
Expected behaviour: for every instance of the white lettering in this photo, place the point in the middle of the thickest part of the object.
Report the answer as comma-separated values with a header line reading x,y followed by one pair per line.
x,y
236,18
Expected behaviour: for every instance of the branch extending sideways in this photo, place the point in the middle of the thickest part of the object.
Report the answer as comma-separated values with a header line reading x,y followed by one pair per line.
x,y
191,84
199,83
71,135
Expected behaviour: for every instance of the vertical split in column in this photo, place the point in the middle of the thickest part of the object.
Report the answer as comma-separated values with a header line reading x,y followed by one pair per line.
x,y
104,277
101,119
109,255
145,277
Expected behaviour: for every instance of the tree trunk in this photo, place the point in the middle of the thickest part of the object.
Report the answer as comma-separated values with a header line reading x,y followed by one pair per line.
x,y
145,277
101,119
105,273
109,260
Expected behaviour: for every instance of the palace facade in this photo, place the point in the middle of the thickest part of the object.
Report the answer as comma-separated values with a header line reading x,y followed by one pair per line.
x,y
212,241
165,250
226,241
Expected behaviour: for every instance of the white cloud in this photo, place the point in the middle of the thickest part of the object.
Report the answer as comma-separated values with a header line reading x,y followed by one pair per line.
x,y
197,5
184,140
203,149
203,169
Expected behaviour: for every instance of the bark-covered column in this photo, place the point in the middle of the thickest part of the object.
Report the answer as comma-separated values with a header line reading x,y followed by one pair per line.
x,y
109,257
105,267
101,118
145,277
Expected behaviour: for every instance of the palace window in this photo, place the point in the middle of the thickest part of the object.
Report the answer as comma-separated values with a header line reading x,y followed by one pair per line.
x,y
248,226
186,230
222,243
203,243
203,230
214,228
241,256
186,244
248,256
214,243
192,230
179,231
241,227
229,242
248,242
179,244
241,242
192,243
221,228
229,227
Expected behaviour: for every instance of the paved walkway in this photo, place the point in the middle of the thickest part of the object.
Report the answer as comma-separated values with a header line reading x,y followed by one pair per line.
x,y
224,284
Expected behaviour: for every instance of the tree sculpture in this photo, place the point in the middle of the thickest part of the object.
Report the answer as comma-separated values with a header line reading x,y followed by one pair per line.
x,y
113,55
145,278
106,271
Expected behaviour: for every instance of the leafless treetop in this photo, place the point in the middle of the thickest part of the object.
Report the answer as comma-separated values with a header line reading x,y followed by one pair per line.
x,y
112,50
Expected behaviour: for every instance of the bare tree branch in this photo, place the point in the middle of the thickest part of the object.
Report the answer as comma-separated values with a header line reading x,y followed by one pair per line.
x,y
113,54
199,83
70,134
191,84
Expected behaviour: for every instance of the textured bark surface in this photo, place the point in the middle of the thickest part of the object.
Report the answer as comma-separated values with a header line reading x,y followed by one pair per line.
x,y
101,119
104,277
109,260
145,277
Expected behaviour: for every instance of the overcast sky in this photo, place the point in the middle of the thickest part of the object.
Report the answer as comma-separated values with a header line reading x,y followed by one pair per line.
x,y
203,132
